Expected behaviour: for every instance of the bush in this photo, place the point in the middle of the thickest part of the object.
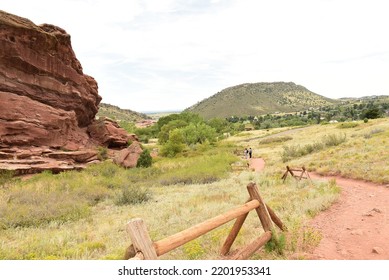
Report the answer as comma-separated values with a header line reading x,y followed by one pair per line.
x,y
102,153
145,159
174,145
334,140
276,244
132,195
295,151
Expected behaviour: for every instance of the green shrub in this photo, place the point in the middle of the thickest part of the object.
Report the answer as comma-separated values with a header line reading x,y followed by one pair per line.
x,y
132,195
102,153
145,159
294,151
334,139
276,244
171,149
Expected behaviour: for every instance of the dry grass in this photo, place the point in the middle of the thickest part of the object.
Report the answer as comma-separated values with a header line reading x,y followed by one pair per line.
x,y
101,235
363,156
183,195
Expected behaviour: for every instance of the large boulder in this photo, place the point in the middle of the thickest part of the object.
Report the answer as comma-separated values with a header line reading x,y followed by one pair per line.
x,y
128,157
108,133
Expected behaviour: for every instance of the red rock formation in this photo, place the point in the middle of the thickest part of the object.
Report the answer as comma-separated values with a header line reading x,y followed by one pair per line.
x,y
128,157
108,133
45,98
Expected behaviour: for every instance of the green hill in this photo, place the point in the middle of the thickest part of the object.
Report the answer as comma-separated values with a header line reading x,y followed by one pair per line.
x,y
258,99
117,114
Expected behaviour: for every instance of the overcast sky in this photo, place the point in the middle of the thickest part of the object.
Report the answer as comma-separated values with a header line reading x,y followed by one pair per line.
x,y
169,54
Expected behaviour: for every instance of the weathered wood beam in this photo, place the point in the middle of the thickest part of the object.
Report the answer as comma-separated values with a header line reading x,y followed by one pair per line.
x,y
140,238
169,243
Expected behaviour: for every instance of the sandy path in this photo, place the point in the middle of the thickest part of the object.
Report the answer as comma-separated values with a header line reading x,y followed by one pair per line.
x,y
258,164
356,226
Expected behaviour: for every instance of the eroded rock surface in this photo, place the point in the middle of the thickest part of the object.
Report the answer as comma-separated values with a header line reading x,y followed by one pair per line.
x,y
45,98
128,157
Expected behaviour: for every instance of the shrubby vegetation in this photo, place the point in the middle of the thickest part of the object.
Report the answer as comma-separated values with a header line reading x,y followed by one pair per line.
x,y
294,151
347,111
71,196
145,159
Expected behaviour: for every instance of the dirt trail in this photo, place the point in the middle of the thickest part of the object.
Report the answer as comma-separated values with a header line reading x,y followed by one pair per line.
x,y
258,164
356,227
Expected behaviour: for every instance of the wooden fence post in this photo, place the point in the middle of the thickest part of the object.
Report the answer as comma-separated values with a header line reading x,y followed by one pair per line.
x,y
169,243
233,234
254,246
262,211
275,219
140,238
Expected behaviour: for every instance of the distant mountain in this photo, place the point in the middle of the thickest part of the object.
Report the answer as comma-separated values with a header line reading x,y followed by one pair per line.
x,y
258,99
115,113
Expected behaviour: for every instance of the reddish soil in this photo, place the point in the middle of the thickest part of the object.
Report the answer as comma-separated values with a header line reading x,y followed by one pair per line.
x,y
257,164
356,226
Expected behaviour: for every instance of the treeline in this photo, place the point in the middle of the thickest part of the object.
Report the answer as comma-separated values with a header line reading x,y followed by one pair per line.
x,y
177,133
340,113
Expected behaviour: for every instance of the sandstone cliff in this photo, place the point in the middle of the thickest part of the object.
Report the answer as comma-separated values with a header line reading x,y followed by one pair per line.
x,y
45,98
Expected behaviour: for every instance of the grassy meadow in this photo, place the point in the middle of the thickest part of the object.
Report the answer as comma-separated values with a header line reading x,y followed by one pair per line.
x,y
82,215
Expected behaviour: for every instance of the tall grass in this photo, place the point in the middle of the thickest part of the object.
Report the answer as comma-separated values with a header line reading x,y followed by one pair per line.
x,y
362,156
69,196
294,151
98,233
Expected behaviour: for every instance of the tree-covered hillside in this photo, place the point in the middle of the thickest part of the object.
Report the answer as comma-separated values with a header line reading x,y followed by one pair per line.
x,y
259,99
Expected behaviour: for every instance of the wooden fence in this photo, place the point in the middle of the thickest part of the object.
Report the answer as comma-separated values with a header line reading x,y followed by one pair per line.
x,y
296,172
144,248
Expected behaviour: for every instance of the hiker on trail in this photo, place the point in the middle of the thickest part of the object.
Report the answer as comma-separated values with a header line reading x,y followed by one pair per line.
x,y
250,153
246,153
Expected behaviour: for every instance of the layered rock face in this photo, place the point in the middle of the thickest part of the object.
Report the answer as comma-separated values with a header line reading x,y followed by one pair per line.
x,y
45,98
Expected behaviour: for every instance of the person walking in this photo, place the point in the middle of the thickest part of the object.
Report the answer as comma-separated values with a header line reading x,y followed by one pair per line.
x,y
246,153
250,153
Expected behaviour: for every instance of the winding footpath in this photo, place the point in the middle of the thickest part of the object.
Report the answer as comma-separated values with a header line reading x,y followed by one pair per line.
x,y
356,226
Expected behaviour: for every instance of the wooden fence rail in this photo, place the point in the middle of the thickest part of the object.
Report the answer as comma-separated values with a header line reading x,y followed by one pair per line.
x,y
144,248
297,172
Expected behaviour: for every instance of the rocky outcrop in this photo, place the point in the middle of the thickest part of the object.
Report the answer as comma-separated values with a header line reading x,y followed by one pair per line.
x,y
25,122
38,62
128,157
45,98
38,159
108,133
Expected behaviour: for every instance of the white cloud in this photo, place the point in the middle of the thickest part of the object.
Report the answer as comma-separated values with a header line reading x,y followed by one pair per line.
x,y
159,55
